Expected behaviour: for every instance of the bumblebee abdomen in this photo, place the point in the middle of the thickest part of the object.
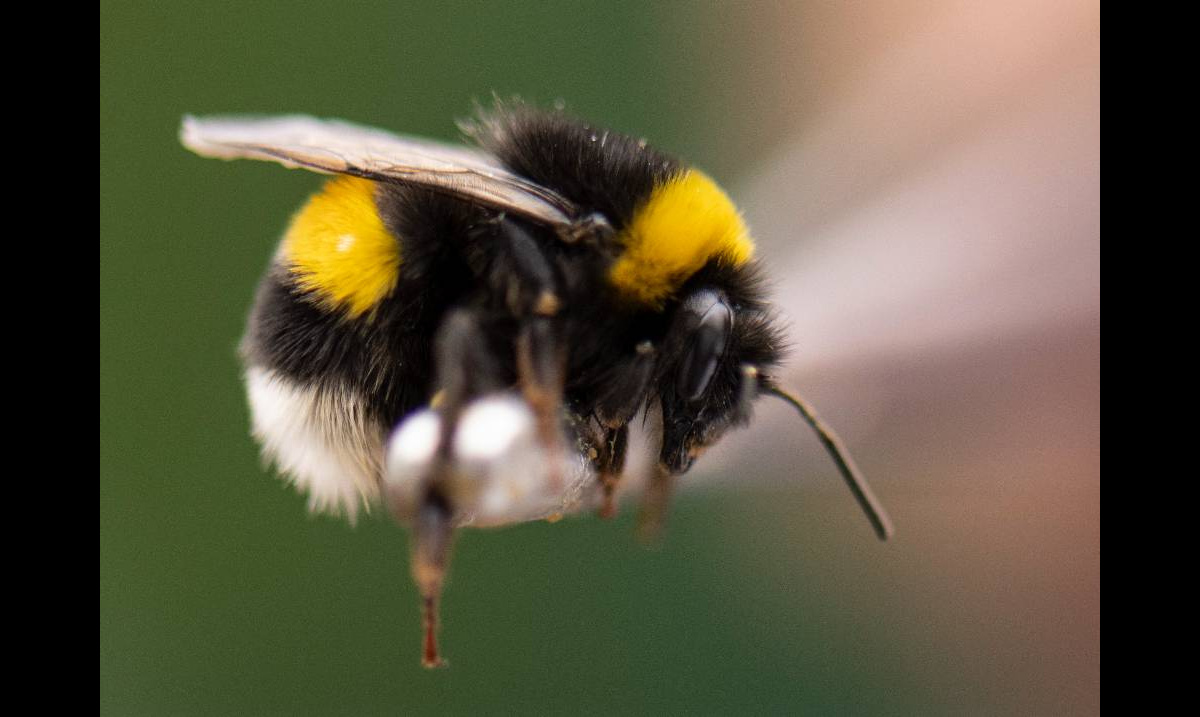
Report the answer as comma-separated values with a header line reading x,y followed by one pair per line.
x,y
320,437
331,359
357,289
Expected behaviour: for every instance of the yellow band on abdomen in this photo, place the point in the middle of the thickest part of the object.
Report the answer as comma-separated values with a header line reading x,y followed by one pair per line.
x,y
338,248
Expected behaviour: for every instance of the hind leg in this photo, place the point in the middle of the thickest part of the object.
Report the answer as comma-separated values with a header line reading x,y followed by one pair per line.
x,y
465,369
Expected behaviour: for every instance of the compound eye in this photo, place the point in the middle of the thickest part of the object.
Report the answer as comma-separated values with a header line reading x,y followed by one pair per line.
x,y
704,351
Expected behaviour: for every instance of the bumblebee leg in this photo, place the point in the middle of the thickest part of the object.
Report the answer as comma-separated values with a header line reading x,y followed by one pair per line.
x,y
433,534
531,292
625,393
626,387
465,369
541,371
525,274
610,464
652,518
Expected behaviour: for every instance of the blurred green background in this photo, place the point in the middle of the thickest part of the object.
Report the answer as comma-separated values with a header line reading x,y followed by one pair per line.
x,y
219,594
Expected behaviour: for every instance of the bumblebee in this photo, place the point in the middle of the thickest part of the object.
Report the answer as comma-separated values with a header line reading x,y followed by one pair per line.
x,y
466,334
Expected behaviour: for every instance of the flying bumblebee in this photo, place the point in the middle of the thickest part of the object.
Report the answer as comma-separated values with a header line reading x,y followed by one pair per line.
x,y
465,335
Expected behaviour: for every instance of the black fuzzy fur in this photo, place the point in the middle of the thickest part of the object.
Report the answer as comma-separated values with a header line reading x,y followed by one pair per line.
x,y
596,168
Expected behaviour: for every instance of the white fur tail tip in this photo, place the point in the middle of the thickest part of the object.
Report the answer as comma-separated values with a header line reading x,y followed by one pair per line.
x,y
320,440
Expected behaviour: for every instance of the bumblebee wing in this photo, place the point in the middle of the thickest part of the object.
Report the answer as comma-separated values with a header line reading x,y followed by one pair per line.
x,y
336,147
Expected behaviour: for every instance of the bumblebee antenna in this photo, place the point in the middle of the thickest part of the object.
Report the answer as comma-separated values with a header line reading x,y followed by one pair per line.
x,y
854,479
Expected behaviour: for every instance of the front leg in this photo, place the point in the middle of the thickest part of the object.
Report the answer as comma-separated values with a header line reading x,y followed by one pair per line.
x,y
656,503
623,394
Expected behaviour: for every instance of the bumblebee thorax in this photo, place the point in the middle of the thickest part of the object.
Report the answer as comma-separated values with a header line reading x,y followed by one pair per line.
x,y
687,222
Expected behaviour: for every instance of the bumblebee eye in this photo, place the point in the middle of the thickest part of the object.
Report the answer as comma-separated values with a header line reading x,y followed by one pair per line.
x,y
705,348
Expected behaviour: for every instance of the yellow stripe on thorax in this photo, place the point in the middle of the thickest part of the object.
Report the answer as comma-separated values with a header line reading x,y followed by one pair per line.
x,y
687,222
338,248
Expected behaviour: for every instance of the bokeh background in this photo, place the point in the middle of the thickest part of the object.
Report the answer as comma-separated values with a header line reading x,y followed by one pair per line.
x,y
924,182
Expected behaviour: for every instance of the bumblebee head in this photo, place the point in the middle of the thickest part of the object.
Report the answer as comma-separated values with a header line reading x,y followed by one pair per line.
x,y
686,253
711,371
717,357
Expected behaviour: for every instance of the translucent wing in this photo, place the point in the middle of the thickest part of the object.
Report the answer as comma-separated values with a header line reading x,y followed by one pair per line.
x,y
336,147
